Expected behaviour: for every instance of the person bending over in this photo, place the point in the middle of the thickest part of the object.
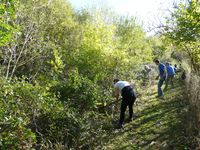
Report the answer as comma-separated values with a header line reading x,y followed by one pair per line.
x,y
128,98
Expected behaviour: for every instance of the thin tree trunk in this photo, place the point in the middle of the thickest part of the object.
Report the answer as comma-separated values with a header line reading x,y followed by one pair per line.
x,y
28,35
8,66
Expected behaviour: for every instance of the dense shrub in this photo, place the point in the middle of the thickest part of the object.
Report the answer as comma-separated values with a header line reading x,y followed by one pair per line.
x,y
79,92
29,113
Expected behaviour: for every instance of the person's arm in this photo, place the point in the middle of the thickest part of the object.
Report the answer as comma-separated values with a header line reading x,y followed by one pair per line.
x,y
116,94
165,73
157,77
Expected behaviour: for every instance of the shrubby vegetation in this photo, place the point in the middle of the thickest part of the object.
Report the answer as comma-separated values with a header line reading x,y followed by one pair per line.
x,y
57,69
6,21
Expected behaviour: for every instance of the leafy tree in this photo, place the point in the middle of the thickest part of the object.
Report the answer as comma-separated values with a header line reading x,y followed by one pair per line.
x,y
60,65
184,30
33,45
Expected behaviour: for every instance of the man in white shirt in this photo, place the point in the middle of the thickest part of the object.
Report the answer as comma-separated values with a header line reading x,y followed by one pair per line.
x,y
128,98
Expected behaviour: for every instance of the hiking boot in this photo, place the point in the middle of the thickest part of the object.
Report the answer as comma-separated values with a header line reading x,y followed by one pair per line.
x,y
130,120
160,97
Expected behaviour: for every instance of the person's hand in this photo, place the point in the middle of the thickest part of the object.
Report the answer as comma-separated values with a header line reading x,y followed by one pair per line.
x,y
157,77
163,78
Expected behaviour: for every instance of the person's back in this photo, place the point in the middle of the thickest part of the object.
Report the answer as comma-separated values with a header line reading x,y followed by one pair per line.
x,y
170,75
128,98
170,70
162,69
121,84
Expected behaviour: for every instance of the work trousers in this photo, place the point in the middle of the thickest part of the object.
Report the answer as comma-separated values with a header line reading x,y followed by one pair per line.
x,y
128,99
160,83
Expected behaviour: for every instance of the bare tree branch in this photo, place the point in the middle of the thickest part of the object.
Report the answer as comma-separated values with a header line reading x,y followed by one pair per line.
x,y
28,36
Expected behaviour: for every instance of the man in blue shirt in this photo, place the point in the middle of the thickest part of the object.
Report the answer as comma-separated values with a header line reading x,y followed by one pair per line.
x,y
170,75
162,76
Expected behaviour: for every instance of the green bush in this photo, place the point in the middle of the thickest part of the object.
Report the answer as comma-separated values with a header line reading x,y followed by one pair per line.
x,y
79,92
30,116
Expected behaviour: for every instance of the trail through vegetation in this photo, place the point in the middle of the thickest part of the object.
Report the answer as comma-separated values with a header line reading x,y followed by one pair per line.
x,y
158,123
57,65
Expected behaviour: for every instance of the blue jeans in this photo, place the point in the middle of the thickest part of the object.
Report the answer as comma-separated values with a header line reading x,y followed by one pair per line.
x,y
170,79
160,83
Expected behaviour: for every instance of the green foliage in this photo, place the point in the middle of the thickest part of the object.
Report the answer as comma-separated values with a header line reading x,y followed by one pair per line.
x,y
184,30
59,126
6,21
186,23
159,46
42,29
29,112
79,92
15,115
58,69
133,41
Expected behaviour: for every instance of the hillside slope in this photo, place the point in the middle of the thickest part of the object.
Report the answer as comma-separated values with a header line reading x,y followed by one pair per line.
x,y
158,124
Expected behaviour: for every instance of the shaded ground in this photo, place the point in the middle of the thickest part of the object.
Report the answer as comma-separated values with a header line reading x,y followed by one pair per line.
x,y
158,124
